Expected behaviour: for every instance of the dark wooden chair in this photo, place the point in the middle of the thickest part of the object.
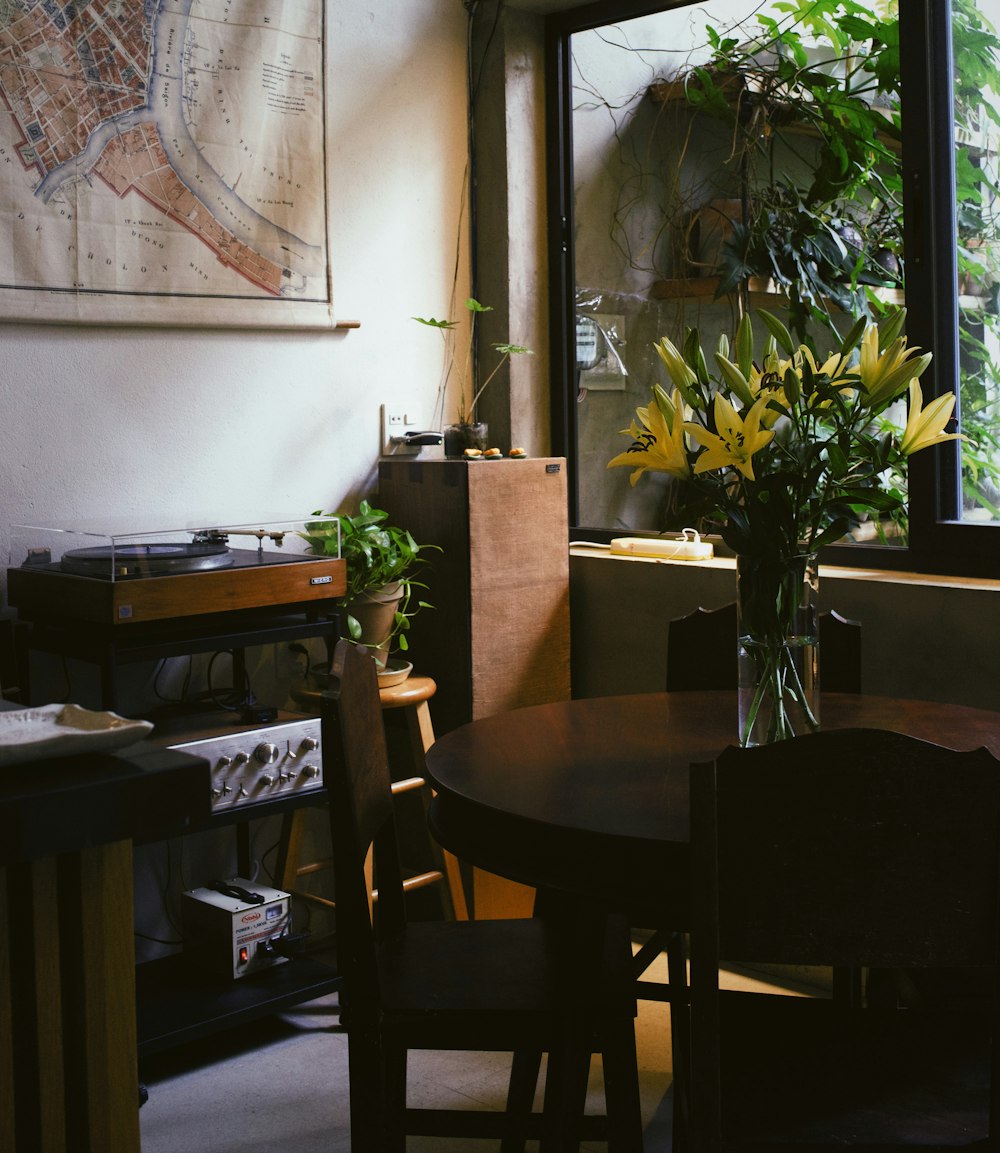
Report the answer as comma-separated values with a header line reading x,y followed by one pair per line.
x,y
854,848
8,663
462,985
701,651
701,655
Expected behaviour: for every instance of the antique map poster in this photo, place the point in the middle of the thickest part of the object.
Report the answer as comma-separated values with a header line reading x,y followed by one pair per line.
x,y
164,162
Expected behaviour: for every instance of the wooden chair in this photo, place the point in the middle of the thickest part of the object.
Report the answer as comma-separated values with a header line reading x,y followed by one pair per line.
x,y
472,985
701,655
855,848
701,651
9,690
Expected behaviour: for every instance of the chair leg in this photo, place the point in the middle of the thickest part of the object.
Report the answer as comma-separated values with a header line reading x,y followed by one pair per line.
x,y
524,1071
394,1072
621,1088
680,1037
364,1059
565,1094
421,735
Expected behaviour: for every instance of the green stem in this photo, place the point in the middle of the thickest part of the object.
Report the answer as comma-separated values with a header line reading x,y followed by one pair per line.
x,y
778,684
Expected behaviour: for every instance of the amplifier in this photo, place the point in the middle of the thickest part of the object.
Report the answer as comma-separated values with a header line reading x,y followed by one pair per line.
x,y
252,766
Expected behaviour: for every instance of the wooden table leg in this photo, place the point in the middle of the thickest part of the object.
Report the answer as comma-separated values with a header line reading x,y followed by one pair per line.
x,y
6,1025
67,972
107,1009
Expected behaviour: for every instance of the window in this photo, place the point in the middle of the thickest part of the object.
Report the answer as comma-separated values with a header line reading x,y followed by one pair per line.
x,y
679,126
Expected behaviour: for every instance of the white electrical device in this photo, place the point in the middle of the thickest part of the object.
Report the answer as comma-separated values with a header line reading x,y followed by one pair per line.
x,y
233,928
688,546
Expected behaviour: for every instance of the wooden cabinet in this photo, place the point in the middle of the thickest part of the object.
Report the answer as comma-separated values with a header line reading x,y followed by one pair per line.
x,y
498,635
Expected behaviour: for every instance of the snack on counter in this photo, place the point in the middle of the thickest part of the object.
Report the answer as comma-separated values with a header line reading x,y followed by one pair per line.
x,y
517,453
472,453
493,454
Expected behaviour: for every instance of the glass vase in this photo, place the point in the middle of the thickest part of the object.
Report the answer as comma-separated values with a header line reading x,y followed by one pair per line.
x,y
459,437
778,646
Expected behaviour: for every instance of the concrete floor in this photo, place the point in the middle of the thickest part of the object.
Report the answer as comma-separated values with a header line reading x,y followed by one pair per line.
x,y
281,1084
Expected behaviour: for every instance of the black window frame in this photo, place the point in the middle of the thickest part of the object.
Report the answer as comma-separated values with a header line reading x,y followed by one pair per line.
x,y
937,544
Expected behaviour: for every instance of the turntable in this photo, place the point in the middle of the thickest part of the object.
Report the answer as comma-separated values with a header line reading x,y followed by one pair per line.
x,y
99,575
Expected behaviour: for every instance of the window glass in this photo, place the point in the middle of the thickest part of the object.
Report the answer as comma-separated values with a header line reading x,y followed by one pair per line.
x,y
725,158
738,155
976,52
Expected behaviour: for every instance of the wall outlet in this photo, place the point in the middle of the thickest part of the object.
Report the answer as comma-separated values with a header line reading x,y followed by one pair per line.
x,y
396,422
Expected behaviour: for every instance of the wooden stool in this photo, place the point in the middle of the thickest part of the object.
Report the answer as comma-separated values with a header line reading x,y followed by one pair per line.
x,y
411,696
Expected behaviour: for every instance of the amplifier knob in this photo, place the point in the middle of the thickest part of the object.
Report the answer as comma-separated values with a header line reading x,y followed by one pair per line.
x,y
267,779
241,758
310,771
224,762
266,753
308,744
216,794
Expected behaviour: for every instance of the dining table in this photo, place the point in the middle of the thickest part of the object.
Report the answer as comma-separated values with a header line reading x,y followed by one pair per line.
x,y
587,800
589,796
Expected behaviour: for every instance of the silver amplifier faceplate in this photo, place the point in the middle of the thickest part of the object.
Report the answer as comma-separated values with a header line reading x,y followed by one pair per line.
x,y
252,766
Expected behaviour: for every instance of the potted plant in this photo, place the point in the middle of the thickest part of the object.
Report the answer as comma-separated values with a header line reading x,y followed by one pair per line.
x,y
783,454
382,563
811,106
467,432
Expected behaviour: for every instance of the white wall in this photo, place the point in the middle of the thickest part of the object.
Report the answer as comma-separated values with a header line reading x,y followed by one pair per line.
x,y
191,426
156,426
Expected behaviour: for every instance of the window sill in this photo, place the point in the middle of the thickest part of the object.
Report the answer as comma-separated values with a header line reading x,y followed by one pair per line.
x,y
827,572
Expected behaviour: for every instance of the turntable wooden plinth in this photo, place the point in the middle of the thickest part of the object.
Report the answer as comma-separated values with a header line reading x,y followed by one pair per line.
x,y
45,593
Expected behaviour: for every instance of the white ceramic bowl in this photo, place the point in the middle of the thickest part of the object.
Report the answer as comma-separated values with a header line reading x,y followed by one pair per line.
x,y
395,672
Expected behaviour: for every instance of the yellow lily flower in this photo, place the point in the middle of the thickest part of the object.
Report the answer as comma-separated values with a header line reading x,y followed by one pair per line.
x,y
658,445
681,373
925,426
736,441
885,376
768,382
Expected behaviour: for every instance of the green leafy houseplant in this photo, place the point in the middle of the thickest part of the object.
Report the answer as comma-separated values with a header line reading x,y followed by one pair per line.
x,y
811,103
379,556
783,455
469,394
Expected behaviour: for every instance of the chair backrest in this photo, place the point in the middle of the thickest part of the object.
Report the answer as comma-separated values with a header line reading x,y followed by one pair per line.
x,y
701,651
839,653
356,768
851,847
8,664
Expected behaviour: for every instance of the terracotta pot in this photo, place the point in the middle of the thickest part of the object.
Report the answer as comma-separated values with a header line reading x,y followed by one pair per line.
x,y
375,611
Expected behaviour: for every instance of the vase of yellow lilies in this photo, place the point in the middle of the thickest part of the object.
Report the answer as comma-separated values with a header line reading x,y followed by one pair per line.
x,y
784,454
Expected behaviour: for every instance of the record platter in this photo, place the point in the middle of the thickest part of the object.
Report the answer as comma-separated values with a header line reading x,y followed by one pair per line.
x,y
121,578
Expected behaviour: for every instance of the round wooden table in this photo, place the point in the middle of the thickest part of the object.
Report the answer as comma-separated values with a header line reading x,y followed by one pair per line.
x,y
590,797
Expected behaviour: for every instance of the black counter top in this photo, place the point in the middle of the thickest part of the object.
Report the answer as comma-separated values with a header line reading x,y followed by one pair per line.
x,y
65,804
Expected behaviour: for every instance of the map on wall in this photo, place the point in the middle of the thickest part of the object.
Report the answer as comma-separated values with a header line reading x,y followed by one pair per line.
x,y
164,162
